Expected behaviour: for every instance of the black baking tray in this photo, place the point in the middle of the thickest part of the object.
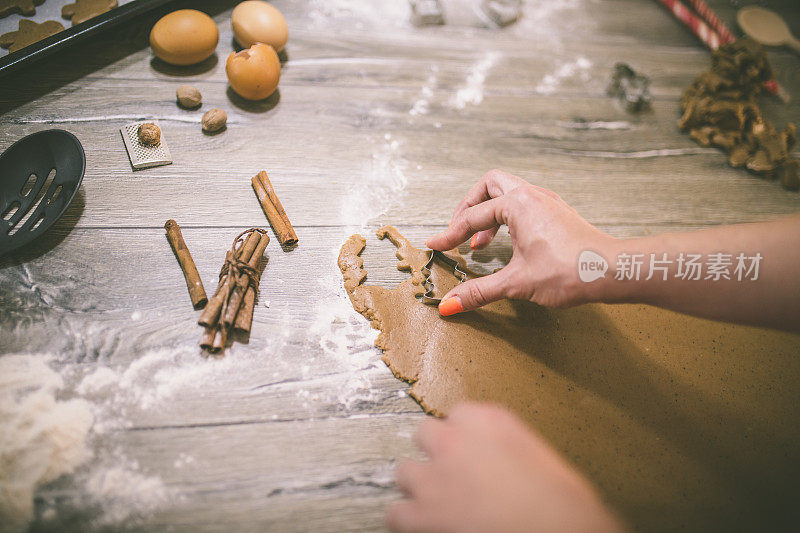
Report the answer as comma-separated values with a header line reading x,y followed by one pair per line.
x,y
74,34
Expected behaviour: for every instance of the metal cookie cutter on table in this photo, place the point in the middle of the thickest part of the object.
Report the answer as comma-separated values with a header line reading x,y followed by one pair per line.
x,y
428,297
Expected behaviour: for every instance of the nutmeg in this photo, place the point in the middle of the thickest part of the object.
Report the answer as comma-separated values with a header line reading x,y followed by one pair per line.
x,y
189,97
149,134
214,120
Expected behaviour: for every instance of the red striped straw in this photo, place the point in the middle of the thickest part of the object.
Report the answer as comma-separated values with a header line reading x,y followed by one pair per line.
x,y
717,25
698,27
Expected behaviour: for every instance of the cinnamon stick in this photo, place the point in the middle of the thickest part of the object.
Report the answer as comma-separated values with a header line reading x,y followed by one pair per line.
x,y
244,320
207,340
273,209
212,311
242,283
220,339
193,282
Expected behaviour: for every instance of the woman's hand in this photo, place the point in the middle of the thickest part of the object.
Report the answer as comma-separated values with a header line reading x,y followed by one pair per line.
x,y
488,472
547,235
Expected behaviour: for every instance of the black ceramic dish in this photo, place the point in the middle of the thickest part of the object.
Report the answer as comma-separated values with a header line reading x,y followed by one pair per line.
x,y
39,176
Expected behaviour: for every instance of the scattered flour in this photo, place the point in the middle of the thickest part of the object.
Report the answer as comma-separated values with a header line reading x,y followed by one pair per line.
x,y
183,460
472,91
383,184
155,378
596,125
551,82
422,104
360,14
124,492
549,19
347,338
41,437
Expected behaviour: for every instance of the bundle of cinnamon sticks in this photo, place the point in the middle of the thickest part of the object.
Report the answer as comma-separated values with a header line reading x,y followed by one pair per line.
x,y
231,306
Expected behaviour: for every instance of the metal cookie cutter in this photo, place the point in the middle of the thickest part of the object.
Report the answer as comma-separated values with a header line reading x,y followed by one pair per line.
x,y
428,297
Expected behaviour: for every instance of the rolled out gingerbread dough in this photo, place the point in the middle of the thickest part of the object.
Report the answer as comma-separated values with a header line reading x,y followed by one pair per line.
x,y
682,423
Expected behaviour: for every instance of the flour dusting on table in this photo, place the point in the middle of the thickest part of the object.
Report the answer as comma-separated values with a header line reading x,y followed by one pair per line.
x,y
66,422
471,93
345,339
579,68
123,491
41,436
422,104
384,181
361,14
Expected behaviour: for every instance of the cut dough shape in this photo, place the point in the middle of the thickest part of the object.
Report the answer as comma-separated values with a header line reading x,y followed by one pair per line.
x,y
25,7
29,32
680,422
83,10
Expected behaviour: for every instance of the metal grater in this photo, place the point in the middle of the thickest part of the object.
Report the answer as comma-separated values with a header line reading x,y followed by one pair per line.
x,y
143,156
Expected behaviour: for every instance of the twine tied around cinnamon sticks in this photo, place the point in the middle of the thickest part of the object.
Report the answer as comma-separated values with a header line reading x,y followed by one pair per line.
x,y
231,306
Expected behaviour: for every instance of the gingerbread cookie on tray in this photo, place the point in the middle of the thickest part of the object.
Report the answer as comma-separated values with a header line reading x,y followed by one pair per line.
x,y
83,10
29,32
25,7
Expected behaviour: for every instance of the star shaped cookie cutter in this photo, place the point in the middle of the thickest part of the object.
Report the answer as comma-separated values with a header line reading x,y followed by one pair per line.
x,y
428,297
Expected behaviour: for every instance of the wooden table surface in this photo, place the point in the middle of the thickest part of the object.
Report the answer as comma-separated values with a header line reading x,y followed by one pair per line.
x,y
375,122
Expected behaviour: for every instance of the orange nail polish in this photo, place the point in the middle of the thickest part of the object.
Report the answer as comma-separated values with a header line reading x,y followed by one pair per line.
x,y
474,242
451,306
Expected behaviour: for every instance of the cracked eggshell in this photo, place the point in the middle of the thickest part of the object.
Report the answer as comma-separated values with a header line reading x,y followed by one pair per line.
x,y
254,73
184,37
255,21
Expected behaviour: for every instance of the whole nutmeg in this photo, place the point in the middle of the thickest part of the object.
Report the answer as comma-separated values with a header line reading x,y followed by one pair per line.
x,y
149,134
188,96
214,120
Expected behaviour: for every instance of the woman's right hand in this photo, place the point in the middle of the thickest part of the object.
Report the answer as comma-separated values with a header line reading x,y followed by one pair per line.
x,y
547,235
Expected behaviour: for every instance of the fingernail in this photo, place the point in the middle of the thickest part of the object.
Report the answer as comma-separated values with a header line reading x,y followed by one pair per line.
x,y
474,242
426,243
451,306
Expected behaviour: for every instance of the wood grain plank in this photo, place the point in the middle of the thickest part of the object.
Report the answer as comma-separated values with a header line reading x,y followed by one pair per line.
x,y
681,184
282,480
299,428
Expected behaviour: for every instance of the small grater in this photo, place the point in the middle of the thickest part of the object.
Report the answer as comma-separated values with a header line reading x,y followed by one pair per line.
x,y
143,156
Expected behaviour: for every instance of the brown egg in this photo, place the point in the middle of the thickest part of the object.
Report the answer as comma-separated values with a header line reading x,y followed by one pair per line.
x,y
184,37
254,73
255,21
